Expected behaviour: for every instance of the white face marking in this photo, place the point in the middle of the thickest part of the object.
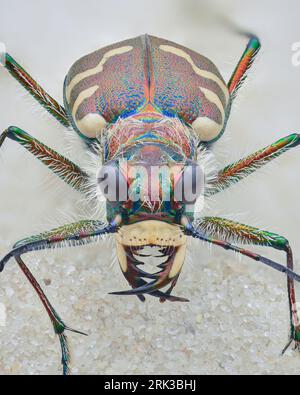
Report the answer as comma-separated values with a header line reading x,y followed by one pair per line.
x,y
178,261
206,128
151,232
197,70
87,73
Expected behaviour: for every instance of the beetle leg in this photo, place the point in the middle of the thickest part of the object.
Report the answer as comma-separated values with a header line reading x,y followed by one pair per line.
x,y
58,164
226,230
240,72
78,233
51,105
59,326
74,234
235,172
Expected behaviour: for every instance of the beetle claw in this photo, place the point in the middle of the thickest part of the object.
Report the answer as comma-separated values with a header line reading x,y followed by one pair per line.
x,y
75,331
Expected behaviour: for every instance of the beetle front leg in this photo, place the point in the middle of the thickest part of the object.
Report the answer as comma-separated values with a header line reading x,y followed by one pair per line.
x,y
58,164
226,230
77,233
72,234
59,326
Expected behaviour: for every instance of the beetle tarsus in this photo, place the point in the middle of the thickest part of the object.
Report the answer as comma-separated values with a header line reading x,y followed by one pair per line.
x,y
292,344
3,137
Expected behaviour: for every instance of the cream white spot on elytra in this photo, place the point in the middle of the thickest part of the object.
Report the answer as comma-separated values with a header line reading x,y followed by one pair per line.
x,y
214,98
206,128
81,97
197,70
87,73
91,125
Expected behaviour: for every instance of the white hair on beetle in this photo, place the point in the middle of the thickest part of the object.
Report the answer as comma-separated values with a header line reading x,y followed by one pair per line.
x,y
93,195
209,165
74,147
130,126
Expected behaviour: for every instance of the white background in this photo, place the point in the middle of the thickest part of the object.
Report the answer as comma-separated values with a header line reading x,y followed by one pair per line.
x,y
237,320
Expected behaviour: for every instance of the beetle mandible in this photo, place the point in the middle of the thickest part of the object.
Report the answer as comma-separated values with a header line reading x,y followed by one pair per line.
x,y
150,103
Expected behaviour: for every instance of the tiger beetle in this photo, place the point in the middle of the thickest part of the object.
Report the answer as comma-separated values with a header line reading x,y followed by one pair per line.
x,y
148,102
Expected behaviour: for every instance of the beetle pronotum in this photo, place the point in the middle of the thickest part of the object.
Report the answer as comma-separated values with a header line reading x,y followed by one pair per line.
x,y
151,103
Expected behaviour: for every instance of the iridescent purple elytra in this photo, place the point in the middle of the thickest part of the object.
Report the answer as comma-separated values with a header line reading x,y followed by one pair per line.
x,y
142,75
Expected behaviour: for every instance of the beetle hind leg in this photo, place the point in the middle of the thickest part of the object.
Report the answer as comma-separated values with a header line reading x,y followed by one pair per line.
x,y
240,73
59,326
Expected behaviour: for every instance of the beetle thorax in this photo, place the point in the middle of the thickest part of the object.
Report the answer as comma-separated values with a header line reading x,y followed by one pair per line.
x,y
128,135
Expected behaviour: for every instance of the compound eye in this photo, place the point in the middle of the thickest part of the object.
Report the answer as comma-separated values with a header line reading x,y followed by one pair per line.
x,y
190,184
112,183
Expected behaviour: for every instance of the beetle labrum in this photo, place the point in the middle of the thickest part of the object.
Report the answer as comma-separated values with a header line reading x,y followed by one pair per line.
x,y
150,102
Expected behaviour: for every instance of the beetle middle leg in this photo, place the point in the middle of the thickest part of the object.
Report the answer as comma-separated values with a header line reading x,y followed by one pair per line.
x,y
59,165
235,172
227,230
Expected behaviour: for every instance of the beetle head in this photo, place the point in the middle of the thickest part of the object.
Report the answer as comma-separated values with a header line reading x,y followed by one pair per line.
x,y
151,192
150,185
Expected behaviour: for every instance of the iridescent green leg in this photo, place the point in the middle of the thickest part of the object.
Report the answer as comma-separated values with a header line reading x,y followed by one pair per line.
x,y
240,73
59,326
73,234
235,172
58,164
77,233
227,231
36,90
